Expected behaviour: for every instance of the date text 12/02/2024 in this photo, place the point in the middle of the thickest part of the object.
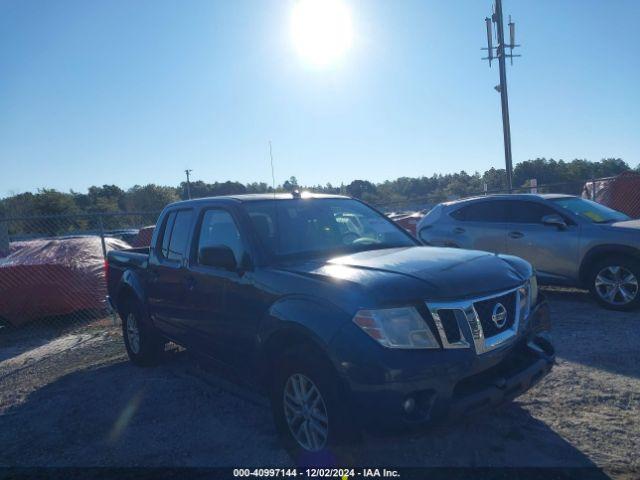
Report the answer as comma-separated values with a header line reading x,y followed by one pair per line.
x,y
342,473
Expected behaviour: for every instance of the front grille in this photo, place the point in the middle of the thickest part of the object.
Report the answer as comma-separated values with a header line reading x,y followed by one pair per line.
x,y
485,309
469,322
450,325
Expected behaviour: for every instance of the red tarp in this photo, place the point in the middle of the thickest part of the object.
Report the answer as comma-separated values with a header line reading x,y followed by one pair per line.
x,y
41,278
408,221
621,193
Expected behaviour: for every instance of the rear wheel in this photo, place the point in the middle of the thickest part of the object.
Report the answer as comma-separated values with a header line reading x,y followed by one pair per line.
x,y
615,282
310,415
144,345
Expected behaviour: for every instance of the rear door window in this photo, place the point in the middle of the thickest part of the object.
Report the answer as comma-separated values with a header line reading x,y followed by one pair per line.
x,y
166,233
176,235
487,211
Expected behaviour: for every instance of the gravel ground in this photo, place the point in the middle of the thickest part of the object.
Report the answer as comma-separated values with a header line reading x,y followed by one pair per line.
x,y
74,400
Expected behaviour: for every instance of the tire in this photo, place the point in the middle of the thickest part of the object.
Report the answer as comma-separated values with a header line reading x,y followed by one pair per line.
x,y
307,371
614,282
144,345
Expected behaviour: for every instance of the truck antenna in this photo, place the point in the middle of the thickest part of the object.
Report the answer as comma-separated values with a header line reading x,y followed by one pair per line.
x,y
276,227
273,175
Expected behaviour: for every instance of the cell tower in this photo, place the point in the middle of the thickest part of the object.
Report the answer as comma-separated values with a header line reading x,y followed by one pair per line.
x,y
499,52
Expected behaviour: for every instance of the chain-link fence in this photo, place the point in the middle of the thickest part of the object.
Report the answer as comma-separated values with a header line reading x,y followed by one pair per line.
x,y
620,193
52,276
52,267
426,202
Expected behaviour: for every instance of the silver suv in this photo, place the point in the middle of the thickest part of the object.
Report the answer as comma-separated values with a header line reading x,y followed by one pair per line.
x,y
569,240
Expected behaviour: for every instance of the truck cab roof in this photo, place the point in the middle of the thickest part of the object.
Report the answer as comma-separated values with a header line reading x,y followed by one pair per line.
x,y
257,197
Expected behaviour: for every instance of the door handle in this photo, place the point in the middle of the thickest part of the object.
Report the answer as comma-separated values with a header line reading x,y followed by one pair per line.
x,y
459,230
516,234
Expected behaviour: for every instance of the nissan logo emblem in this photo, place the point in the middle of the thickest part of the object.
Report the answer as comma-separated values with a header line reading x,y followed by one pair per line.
x,y
499,315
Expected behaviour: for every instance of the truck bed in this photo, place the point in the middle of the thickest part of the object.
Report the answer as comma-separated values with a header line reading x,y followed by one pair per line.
x,y
119,261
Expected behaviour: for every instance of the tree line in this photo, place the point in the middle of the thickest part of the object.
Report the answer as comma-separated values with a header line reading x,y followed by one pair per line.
x,y
401,193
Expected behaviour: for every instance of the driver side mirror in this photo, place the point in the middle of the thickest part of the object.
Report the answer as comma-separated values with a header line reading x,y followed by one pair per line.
x,y
218,256
554,221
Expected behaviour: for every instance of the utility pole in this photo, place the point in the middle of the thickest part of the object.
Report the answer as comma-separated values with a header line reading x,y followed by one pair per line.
x,y
188,172
502,55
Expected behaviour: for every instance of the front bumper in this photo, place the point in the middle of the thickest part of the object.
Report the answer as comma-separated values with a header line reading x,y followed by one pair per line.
x,y
505,382
412,388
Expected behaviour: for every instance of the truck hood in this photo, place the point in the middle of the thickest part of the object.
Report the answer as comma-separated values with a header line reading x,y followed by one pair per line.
x,y
422,272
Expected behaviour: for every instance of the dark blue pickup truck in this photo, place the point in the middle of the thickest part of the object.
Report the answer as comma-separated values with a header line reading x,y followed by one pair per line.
x,y
341,316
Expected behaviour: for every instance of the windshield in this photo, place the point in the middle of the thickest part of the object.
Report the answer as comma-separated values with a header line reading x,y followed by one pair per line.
x,y
309,227
590,210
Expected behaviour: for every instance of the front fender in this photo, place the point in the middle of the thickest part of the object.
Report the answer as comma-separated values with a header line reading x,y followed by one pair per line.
x,y
320,320
297,319
521,266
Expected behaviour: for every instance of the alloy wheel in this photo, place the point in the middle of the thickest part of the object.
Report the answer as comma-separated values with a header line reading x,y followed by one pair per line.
x,y
133,333
616,285
305,413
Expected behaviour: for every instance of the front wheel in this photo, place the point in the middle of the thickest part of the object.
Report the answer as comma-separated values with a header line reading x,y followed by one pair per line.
x,y
310,415
305,412
615,283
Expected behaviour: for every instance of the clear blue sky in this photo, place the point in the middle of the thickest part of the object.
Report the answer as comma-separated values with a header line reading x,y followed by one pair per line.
x,y
132,92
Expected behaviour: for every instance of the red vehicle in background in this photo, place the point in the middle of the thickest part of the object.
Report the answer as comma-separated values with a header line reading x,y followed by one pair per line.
x,y
51,277
143,239
407,220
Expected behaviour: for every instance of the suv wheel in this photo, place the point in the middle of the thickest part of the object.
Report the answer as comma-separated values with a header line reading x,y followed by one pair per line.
x,y
308,411
615,283
144,346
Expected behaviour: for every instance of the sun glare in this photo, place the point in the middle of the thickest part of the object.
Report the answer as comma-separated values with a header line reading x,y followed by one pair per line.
x,y
321,30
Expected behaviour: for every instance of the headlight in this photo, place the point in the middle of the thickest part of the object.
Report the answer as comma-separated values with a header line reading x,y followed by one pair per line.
x,y
534,289
528,295
523,299
396,328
